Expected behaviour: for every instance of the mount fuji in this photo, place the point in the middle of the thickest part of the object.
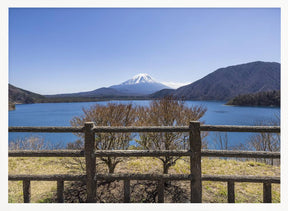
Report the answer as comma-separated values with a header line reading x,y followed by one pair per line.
x,y
141,84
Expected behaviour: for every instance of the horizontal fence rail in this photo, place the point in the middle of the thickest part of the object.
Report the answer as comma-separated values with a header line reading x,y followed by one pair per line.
x,y
46,153
52,177
233,128
144,153
195,153
100,129
240,154
140,129
47,129
233,178
215,178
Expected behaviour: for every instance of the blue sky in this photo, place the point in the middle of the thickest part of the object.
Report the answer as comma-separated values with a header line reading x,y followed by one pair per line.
x,y
70,50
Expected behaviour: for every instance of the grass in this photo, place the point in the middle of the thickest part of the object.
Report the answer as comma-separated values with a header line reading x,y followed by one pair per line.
x,y
244,192
39,189
213,192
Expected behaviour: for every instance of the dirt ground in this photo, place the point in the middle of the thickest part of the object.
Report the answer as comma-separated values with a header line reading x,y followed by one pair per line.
x,y
141,192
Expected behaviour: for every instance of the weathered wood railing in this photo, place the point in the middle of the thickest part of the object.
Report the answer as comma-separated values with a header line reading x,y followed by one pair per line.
x,y
195,153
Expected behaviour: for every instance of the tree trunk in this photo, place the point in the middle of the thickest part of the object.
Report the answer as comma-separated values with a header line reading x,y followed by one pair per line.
x,y
111,165
165,168
111,168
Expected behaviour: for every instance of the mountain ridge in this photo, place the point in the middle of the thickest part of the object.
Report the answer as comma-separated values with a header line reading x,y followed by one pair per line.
x,y
139,85
21,96
226,83
223,84
18,95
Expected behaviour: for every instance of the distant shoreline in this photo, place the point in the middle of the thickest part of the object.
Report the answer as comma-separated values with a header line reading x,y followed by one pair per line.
x,y
13,107
257,106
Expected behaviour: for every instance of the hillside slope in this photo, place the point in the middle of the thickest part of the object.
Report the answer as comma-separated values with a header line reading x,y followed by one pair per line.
x,y
101,92
226,83
161,93
20,96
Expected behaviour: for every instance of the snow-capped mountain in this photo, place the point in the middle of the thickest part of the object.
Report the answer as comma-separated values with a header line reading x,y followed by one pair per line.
x,y
140,84
140,78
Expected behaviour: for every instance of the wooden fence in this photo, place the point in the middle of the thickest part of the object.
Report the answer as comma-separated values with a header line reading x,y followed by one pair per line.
x,y
194,153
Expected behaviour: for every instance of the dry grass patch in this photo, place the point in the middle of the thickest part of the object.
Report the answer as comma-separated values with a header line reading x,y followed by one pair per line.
x,y
143,165
244,192
39,189
213,192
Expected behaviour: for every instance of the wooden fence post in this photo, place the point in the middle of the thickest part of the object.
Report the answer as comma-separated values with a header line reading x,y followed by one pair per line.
x,y
60,191
26,191
90,162
160,188
195,162
267,195
231,191
126,191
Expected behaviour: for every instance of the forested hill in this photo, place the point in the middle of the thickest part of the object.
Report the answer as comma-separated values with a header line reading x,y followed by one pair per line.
x,y
229,82
19,96
270,98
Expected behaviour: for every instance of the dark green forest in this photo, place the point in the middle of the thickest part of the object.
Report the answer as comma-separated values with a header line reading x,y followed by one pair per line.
x,y
269,98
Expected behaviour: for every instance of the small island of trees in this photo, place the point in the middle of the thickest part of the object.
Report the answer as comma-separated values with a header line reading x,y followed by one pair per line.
x,y
269,98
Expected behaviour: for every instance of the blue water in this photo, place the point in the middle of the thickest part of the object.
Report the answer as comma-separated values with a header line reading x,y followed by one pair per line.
x,y
60,114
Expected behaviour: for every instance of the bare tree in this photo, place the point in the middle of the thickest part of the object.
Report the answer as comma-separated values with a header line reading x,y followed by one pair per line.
x,y
33,143
110,115
266,141
167,112
221,140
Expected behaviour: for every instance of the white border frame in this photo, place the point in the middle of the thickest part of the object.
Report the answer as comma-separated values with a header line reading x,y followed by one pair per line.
x,y
6,4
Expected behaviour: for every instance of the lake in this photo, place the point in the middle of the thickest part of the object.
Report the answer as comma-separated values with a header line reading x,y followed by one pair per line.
x,y
60,114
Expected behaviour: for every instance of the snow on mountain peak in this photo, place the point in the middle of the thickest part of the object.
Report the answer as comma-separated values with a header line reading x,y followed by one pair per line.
x,y
140,78
141,84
